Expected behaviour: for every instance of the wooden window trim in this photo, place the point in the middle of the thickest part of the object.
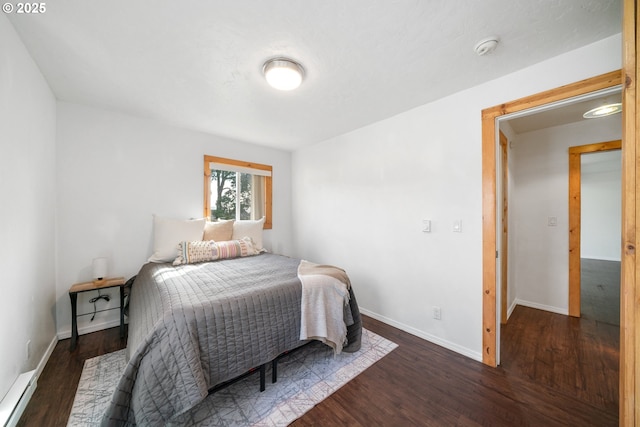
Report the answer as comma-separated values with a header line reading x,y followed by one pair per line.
x,y
268,224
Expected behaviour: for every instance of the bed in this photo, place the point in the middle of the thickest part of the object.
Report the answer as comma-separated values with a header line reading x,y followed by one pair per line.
x,y
192,327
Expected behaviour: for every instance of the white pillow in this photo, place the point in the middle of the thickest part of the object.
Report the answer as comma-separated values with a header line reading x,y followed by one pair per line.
x,y
168,232
249,228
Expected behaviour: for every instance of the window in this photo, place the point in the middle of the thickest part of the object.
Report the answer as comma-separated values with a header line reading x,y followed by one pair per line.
x,y
234,189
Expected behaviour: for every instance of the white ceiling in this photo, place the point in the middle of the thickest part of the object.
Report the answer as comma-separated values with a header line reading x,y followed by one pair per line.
x,y
197,63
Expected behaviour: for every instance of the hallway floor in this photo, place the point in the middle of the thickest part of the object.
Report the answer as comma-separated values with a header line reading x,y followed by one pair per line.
x,y
600,290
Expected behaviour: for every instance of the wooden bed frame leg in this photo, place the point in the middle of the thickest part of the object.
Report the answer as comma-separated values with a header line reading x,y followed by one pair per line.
x,y
263,374
274,370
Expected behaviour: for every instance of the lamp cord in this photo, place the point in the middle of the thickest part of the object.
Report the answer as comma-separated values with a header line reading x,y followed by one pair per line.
x,y
96,299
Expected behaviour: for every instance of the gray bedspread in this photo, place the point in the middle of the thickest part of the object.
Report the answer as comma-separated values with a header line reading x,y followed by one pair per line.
x,y
192,327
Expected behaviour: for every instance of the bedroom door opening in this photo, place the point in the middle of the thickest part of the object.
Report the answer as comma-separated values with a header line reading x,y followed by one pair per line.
x,y
491,213
537,266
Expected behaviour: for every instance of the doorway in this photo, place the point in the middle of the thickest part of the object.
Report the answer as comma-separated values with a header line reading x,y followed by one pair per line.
x,y
491,294
594,252
535,173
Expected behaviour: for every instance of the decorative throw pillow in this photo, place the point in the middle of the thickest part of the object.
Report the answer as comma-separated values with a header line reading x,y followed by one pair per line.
x,y
168,232
236,248
218,231
209,250
249,228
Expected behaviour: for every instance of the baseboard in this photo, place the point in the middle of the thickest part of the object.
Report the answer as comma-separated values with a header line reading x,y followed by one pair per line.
x,y
425,336
552,309
93,327
46,356
511,308
17,399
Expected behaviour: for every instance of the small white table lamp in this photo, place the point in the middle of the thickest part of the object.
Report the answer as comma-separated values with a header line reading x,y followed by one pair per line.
x,y
99,269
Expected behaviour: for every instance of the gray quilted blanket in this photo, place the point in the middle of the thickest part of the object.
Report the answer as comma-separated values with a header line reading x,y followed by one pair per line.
x,y
192,327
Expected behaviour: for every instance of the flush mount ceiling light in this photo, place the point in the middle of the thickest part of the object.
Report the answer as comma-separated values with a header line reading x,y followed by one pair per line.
x,y
486,46
283,73
603,111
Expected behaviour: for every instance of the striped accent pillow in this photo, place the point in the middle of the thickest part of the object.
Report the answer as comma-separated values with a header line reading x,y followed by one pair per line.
x,y
208,250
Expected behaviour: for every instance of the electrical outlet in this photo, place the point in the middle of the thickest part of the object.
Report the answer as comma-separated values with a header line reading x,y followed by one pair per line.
x,y
28,348
437,313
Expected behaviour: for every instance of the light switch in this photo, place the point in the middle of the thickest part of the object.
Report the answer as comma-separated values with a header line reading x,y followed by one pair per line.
x,y
426,226
457,226
552,221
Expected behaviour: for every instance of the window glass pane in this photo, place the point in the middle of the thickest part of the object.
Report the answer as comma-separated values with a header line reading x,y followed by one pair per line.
x,y
223,195
245,196
230,201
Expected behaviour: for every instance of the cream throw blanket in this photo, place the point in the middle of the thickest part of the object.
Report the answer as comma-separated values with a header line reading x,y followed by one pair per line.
x,y
325,292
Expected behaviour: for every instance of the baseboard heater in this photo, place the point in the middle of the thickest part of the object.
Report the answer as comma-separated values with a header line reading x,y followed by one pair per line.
x,y
16,399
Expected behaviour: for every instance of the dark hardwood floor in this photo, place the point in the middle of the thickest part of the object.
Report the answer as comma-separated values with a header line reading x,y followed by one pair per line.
x,y
51,403
600,290
556,371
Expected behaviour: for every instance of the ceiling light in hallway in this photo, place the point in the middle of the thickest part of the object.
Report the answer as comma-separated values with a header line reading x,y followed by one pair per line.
x,y
603,111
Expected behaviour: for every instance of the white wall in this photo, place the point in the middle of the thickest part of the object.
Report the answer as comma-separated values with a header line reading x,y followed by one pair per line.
x,y
114,171
27,209
359,201
539,257
601,199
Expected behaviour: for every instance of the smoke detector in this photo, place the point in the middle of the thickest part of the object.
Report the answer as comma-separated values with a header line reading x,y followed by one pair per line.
x,y
486,45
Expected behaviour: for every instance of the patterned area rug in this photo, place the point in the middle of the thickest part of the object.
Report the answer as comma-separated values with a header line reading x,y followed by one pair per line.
x,y
305,378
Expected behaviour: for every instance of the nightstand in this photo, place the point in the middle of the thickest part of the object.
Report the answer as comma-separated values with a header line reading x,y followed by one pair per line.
x,y
94,286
